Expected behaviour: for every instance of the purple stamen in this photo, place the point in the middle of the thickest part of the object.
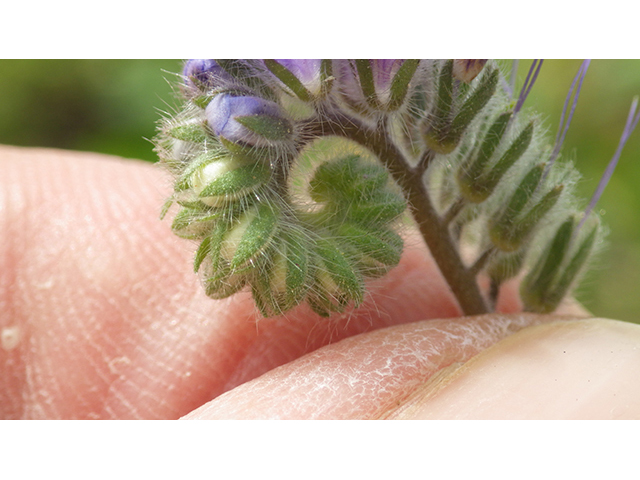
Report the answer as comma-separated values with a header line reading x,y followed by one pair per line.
x,y
562,132
632,122
526,88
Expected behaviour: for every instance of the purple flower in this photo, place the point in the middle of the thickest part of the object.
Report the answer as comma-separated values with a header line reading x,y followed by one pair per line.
x,y
226,114
206,72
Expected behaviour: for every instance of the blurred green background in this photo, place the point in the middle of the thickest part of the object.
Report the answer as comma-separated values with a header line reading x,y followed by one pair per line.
x,y
111,106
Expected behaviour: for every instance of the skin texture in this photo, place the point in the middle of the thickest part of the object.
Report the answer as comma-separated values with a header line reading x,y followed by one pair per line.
x,y
101,316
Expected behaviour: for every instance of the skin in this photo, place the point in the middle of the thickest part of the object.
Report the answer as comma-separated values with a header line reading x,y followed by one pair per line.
x,y
101,316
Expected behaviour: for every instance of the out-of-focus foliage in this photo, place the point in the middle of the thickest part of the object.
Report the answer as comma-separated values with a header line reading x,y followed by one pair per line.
x,y
112,106
108,106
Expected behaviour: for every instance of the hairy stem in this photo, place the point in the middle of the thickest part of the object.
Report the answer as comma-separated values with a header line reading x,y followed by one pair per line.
x,y
433,229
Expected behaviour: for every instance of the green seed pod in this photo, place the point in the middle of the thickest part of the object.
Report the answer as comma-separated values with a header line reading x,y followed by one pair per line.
x,y
540,281
470,109
505,266
479,189
441,115
226,180
503,231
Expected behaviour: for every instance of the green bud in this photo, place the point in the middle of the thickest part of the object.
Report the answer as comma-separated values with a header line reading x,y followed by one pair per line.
x,y
348,179
365,74
225,180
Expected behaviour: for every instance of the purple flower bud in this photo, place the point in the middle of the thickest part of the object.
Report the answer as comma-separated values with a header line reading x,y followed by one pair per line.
x,y
224,111
354,89
467,70
206,72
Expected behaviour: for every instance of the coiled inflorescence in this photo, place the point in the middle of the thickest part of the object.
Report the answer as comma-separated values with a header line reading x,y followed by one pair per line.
x,y
471,166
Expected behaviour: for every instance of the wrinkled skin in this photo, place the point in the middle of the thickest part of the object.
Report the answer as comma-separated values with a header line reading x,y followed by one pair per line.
x,y
101,316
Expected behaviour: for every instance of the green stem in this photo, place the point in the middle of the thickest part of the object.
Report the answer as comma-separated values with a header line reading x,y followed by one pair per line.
x,y
434,231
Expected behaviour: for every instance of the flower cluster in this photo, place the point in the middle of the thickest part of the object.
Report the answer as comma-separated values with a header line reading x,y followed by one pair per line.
x,y
443,137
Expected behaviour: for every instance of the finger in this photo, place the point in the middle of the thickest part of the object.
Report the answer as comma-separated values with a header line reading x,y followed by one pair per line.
x,y
574,370
104,318
366,376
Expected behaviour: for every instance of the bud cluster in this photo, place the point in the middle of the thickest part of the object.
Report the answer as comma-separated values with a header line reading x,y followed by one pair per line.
x,y
444,135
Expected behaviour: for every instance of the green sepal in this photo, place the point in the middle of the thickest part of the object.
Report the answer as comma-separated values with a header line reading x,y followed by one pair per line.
x,y
473,169
525,226
193,224
503,232
183,182
289,79
202,101
365,75
378,210
505,265
471,107
224,286
250,236
539,283
578,261
326,77
192,132
248,153
338,264
400,84
238,182
201,253
384,246
440,117
271,128
479,190
241,71
284,282
165,207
